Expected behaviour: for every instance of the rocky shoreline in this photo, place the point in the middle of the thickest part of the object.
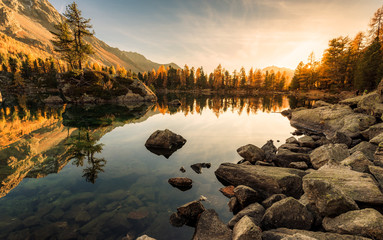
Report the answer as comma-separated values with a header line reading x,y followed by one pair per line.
x,y
325,183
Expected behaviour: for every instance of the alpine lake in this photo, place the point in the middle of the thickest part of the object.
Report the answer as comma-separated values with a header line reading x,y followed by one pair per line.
x,y
71,172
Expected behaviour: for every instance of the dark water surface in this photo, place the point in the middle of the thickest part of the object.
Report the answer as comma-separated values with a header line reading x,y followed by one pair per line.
x,y
84,173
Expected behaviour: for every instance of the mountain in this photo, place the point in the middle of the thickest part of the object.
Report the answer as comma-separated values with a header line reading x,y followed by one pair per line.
x,y
289,72
27,24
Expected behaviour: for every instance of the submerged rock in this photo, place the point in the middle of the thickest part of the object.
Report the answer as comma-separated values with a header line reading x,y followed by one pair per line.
x,y
187,214
211,227
164,142
181,183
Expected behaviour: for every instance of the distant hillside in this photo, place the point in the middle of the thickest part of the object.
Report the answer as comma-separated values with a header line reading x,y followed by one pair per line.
x,y
289,72
30,22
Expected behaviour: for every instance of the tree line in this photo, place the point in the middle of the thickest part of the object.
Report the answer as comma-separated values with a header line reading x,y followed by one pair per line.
x,y
347,63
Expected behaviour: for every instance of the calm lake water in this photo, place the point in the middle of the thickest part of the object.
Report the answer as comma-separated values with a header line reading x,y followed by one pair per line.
x,y
84,173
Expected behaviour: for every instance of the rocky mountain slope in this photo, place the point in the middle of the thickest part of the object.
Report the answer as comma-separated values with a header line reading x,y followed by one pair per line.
x,y
30,22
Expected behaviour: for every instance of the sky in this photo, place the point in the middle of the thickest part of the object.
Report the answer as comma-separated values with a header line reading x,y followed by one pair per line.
x,y
236,33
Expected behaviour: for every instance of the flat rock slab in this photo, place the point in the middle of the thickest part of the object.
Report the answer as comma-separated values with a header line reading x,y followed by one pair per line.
x,y
265,180
280,233
360,187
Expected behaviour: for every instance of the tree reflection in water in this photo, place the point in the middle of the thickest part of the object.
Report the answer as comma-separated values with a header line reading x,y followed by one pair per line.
x,y
84,147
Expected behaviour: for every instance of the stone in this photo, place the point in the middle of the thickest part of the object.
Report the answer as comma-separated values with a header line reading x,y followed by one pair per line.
x,y
228,191
357,161
211,227
367,222
325,153
370,104
373,131
198,167
337,117
266,180
340,138
255,211
299,165
176,220
145,237
245,229
281,233
164,142
273,199
234,205
377,172
191,212
306,141
294,147
286,113
182,169
366,148
360,187
289,213
298,236
328,199
377,139
270,150
251,153
292,140
285,157
320,103
181,183
246,195
378,156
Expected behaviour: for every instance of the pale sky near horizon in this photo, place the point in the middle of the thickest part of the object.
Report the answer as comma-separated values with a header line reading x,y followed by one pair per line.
x,y
234,33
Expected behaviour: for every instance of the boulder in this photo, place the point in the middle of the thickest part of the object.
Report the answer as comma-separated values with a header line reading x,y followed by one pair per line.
x,y
255,211
371,104
273,199
181,183
325,153
285,157
294,147
280,233
211,227
251,153
246,195
320,103
198,167
289,213
234,205
270,150
377,139
306,141
328,199
366,148
245,229
373,131
360,187
378,156
190,213
228,191
340,138
266,180
339,118
166,141
292,140
367,222
377,172
299,165
357,161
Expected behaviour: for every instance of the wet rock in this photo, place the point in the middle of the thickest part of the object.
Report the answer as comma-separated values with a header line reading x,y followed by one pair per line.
x,y
164,142
255,211
267,180
306,141
245,229
251,153
281,233
285,157
357,161
191,212
138,215
289,213
366,148
377,172
198,167
328,199
181,183
234,205
246,195
339,118
228,191
176,220
270,150
292,140
367,222
299,165
211,227
82,216
340,138
325,153
360,187
273,199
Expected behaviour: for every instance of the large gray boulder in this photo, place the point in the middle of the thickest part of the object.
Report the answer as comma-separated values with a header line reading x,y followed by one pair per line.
x,y
211,227
251,153
255,211
357,161
366,148
266,180
367,222
280,233
245,229
328,199
339,118
289,213
164,142
330,152
360,187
